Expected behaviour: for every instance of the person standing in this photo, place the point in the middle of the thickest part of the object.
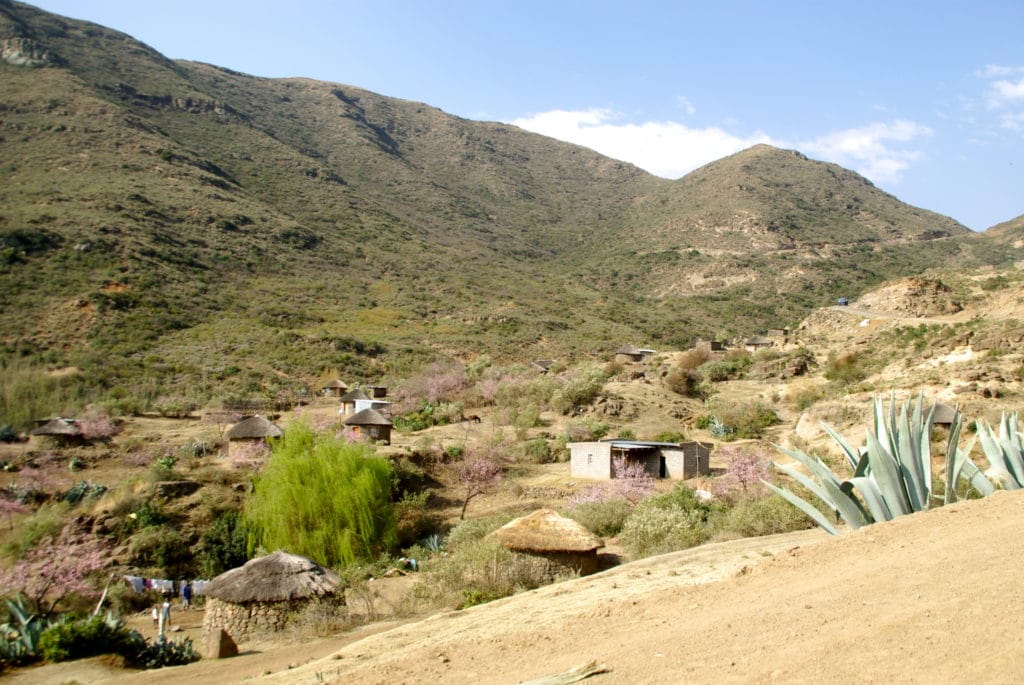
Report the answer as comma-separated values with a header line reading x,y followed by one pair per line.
x,y
165,617
186,595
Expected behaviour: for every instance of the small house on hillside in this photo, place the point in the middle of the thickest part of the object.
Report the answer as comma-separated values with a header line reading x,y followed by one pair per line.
x,y
64,432
942,414
334,388
348,401
376,392
758,342
249,430
558,543
370,424
267,594
674,460
709,345
629,354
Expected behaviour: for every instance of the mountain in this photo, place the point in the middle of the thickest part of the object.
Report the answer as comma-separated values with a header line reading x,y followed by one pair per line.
x,y
177,230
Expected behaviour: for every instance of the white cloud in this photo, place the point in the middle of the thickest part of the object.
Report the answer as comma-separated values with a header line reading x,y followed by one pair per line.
x,y
671,149
1005,92
664,148
687,106
1013,121
874,150
996,70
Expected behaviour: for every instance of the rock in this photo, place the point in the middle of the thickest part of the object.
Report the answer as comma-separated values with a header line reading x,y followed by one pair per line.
x,y
219,645
172,489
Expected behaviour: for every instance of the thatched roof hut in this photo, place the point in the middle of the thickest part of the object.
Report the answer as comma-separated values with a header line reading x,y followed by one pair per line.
x,y
265,594
249,430
254,427
63,431
564,543
334,388
348,400
943,414
277,577
371,424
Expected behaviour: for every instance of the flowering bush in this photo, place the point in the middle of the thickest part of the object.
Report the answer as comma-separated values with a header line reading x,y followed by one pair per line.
x,y
630,482
55,569
744,471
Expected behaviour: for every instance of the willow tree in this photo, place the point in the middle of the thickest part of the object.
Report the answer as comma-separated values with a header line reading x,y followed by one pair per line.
x,y
322,497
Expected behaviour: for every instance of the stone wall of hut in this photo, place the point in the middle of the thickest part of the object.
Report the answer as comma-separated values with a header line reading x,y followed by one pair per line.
x,y
554,565
254,620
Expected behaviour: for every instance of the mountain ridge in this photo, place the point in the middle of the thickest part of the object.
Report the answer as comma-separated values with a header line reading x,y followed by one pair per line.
x,y
176,205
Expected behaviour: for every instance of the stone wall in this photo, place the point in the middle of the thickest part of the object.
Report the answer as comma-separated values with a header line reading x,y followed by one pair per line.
x,y
250,621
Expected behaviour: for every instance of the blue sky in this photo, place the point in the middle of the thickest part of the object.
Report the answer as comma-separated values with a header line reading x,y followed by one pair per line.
x,y
924,98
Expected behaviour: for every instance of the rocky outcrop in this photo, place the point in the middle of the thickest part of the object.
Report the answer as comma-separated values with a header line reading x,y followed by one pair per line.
x,y
25,52
916,297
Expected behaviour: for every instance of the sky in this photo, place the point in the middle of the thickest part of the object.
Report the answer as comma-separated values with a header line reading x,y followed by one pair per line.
x,y
925,98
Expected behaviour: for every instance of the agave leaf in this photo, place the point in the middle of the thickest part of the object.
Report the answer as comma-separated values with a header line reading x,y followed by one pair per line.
x,y
909,464
852,455
885,471
999,463
805,507
808,483
869,490
1013,448
849,507
976,478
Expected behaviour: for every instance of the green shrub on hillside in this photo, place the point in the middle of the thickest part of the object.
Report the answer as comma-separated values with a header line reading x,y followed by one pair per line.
x,y
737,419
324,498
604,519
667,522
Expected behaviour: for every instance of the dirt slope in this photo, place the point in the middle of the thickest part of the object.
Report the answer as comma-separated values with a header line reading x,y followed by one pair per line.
x,y
933,597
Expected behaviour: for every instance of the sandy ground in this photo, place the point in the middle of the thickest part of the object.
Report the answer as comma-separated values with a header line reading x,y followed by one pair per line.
x,y
932,597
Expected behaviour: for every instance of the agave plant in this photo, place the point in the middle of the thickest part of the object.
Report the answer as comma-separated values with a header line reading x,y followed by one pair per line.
x,y
892,473
1005,452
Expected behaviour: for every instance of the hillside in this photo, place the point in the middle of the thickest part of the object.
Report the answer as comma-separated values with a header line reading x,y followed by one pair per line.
x,y
205,234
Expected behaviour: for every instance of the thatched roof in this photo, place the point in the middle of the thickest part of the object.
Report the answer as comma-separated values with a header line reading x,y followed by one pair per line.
x,y
277,577
353,395
335,383
546,531
759,340
368,417
59,426
628,349
944,414
254,427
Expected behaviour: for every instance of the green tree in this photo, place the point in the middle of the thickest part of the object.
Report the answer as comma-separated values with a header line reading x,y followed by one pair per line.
x,y
324,498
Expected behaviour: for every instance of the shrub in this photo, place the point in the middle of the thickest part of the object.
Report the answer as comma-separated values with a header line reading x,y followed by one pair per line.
x,y
667,522
604,519
222,545
741,419
846,369
745,470
685,382
726,369
578,392
324,498
754,517
586,429
163,547
537,451
478,572
78,639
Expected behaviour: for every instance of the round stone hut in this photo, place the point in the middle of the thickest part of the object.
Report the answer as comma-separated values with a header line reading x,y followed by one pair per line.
x,y
266,594
564,544
249,430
